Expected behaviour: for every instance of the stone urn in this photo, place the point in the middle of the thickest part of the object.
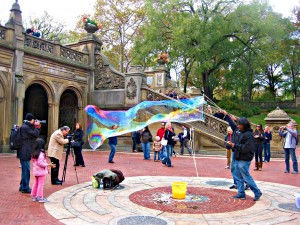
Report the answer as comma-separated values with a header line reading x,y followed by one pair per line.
x,y
160,61
90,28
275,120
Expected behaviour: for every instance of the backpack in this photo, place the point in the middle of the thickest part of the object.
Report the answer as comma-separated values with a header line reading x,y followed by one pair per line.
x,y
15,138
110,183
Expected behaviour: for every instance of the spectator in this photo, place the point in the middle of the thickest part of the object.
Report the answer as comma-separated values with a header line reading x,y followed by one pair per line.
x,y
169,136
266,144
157,147
243,147
112,141
228,137
146,138
55,151
160,133
290,135
186,138
40,169
30,131
259,137
78,136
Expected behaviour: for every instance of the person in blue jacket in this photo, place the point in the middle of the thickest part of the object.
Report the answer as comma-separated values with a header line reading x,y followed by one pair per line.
x,y
112,141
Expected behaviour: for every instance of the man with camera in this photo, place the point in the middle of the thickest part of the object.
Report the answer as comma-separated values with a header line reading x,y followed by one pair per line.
x,y
290,135
55,151
30,131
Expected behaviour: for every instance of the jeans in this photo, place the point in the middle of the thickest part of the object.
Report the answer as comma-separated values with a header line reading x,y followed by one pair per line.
x,y
243,175
133,144
267,152
112,152
185,144
78,156
54,171
25,176
163,152
258,152
146,150
287,153
169,153
38,187
232,168
156,154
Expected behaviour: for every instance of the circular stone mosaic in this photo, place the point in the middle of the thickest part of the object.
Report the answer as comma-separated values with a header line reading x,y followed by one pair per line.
x,y
198,201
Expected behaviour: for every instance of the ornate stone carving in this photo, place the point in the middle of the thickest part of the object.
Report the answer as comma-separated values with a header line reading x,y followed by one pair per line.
x,y
71,54
131,89
37,43
105,78
278,113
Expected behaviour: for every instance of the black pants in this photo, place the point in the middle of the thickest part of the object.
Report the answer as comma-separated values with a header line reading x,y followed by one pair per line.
x,y
54,171
78,156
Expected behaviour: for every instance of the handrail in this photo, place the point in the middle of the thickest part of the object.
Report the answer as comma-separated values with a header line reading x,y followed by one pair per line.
x,y
214,128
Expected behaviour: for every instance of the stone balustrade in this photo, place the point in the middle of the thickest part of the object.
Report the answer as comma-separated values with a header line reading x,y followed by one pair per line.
x,y
38,43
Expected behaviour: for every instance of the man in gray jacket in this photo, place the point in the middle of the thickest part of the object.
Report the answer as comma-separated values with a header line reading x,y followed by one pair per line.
x,y
289,145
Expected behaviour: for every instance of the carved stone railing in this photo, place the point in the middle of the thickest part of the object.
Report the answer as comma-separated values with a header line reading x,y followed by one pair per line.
x,y
212,127
2,33
38,43
72,54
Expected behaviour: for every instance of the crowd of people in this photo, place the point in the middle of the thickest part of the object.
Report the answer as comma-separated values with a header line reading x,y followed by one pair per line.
x,y
241,142
33,148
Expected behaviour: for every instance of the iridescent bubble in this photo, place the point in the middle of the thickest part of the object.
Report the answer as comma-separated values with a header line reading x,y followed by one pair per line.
x,y
185,110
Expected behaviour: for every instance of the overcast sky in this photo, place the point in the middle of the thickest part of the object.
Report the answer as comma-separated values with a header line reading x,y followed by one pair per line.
x,y
67,11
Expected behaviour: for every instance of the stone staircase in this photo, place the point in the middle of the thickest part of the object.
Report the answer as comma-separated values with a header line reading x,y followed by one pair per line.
x,y
213,129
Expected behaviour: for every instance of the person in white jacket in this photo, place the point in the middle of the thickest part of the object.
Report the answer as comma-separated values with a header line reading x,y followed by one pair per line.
x,y
290,135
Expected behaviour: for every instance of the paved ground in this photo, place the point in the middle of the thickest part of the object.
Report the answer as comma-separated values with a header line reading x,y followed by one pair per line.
x,y
74,203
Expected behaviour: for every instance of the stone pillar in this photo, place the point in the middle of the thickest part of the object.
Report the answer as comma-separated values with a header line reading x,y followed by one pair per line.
x,y
134,79
53,117
275,120
161,77
18,84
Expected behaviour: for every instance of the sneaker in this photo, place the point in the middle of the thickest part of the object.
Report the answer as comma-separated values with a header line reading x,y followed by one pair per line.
x,y
42,200
233,186
257,196
239,196
286,171
28,191
33,199
294,172
226,167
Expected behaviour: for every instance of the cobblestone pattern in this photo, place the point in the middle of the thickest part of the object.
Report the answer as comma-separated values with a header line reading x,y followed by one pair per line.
x,y
81,204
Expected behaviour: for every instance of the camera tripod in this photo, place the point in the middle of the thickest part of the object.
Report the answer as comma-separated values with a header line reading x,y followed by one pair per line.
x,y
68,152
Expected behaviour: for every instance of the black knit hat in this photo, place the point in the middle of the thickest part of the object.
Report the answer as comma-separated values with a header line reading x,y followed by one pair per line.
x,y
244,121
29,117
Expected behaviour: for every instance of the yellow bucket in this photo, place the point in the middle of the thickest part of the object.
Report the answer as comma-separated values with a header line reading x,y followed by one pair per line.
x,y
179,190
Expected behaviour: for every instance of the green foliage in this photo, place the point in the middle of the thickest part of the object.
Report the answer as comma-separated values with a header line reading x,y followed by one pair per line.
x,y
238,107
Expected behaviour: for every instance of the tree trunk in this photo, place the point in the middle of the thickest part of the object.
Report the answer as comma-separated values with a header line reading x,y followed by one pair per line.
x,y
207,89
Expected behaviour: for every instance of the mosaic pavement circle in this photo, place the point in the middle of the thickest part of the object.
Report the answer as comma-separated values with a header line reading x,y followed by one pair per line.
x,y
81,204
198,200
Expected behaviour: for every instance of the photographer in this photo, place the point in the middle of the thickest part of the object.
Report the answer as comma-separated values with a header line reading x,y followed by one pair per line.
x,y
30,131
55,151
289,145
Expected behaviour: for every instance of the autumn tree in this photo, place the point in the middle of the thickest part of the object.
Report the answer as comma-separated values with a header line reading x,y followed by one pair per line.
x,y
121,21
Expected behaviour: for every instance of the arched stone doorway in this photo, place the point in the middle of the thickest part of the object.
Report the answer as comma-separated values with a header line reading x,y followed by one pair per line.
x,y
36,102
68,109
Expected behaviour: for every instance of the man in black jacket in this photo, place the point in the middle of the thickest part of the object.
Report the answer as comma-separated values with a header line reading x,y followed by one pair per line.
x,y
243,147
29,133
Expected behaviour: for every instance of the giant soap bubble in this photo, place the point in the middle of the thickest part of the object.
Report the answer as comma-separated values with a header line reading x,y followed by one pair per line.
x,y
185,110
